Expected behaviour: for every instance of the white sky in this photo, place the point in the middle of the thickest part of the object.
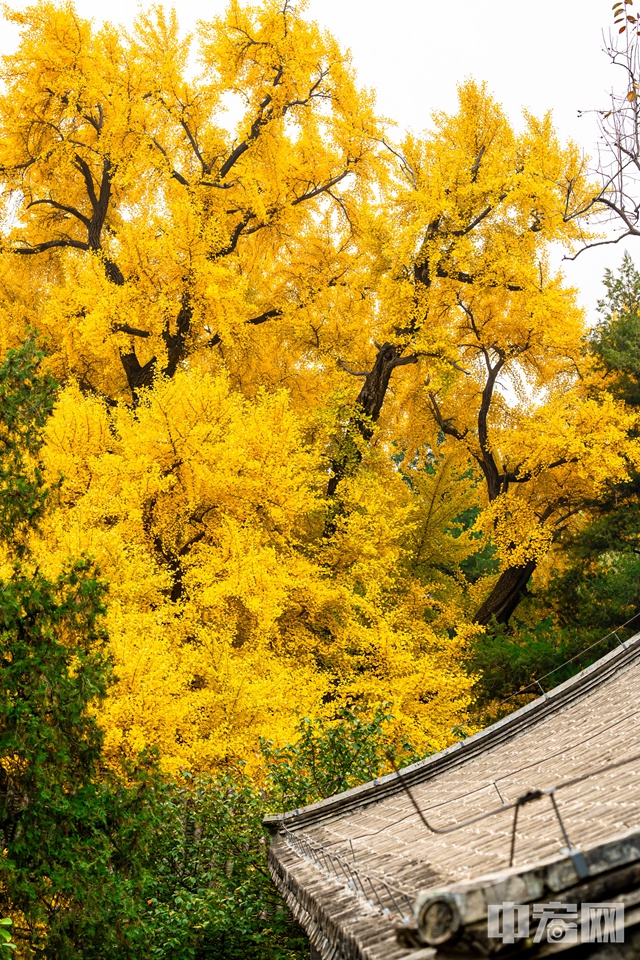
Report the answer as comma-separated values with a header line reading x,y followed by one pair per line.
x,y
414,53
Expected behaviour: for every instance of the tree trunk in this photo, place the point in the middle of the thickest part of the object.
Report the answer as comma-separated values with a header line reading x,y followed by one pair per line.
x,y
368,402
506,594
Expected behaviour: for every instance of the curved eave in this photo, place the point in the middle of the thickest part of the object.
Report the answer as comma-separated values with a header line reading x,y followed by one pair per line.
x,y
459,753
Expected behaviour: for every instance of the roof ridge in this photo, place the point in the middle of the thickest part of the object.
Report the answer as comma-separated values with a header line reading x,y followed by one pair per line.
x,y
550,702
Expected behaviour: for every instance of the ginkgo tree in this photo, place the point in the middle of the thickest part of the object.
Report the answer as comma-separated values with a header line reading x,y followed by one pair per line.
x,y
283,345
177,236
181,279
491,340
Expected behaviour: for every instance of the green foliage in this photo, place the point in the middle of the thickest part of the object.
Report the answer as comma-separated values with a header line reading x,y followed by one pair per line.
x,y
26,400
507,661
484,562
6,943
600,589
52,669
332,755
208,892
616,339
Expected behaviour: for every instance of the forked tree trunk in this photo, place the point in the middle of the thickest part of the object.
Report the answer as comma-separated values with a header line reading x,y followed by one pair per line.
x,y
368,402
506,594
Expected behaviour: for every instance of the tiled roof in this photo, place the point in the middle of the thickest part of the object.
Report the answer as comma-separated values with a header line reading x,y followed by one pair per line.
x,y
378,842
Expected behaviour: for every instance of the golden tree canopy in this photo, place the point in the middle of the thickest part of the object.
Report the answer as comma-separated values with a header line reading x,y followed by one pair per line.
x,y
293,355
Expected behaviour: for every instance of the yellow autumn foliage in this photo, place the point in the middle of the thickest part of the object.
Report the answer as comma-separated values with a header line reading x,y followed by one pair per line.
x,y
226,620
304,371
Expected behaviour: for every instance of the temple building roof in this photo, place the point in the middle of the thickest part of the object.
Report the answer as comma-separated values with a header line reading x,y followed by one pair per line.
x,y
541,806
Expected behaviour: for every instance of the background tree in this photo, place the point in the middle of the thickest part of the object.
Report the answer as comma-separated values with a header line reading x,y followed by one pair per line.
x,y
589,587
599,582
613,201
467,295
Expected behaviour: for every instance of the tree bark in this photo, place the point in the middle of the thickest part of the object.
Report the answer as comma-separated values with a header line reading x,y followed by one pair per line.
x,y
368,402
138,375
506,594
374,389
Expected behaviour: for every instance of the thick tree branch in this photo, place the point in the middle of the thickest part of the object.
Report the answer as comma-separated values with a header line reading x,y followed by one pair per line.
x,y
51,244
462,277
132,331
354,373
85,170
476,167
260,121
235,236
63,207
445,423
137,374
264,317
174,173
176,343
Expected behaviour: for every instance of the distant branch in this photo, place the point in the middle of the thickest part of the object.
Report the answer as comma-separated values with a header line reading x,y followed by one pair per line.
x,y
354,373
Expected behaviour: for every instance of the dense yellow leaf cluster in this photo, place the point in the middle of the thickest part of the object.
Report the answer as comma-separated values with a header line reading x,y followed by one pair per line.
x,y
304,370
228,617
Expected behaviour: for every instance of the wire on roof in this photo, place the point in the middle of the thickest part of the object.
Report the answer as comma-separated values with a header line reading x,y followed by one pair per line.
x,y
545,676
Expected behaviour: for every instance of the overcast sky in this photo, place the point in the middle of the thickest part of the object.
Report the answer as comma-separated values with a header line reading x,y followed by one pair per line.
x,y
414,53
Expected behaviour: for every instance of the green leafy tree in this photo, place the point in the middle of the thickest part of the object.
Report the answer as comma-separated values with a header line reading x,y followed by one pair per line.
x,y
331,756
70,831
600,587
616,338
6,944
208,893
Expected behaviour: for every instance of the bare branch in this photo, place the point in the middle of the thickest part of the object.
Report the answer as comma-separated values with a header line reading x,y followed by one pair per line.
x,y
51,244
354,373
63,207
